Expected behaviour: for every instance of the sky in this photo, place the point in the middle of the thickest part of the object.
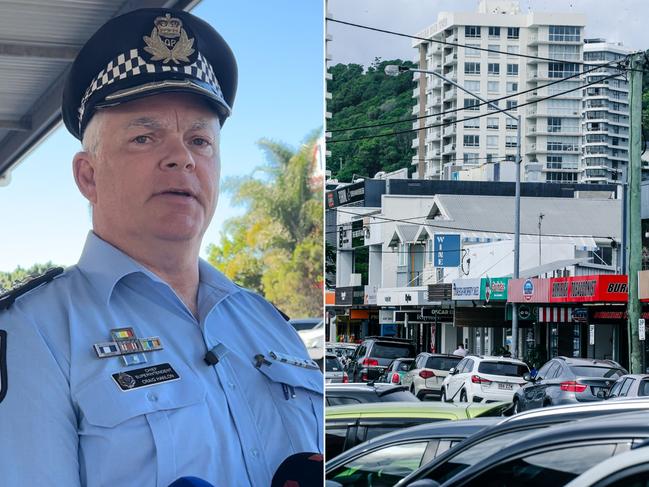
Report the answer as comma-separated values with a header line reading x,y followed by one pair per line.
x,y
622,21
279,49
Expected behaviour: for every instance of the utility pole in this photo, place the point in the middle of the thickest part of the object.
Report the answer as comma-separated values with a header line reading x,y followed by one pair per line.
x,y
636,65
541,215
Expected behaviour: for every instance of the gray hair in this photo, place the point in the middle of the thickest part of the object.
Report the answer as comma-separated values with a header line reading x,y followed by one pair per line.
x,y
91,136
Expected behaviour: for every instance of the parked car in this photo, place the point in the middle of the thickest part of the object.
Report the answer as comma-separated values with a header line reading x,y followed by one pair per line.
x,y
630,385
374,354
484,379
427,373
396,370
479,446
313,339
303,324
565,380
386,459
630,469
334,370
554,456
347,426
341,394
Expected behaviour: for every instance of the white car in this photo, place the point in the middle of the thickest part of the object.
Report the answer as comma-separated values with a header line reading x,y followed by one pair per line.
x,y
314,339
427,373
484,379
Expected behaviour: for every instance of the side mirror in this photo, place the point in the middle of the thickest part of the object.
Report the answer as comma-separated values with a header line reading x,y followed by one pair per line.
x,y
528,377
452,371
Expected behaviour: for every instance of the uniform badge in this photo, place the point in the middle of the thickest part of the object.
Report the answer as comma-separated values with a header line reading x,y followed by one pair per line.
x,y
147,376
3,364
127,346
169,41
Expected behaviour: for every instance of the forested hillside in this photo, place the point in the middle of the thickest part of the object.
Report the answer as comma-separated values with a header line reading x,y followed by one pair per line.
x,y
363,97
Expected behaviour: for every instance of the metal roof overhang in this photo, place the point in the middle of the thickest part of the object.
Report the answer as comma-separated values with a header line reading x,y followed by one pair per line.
x,y
39,40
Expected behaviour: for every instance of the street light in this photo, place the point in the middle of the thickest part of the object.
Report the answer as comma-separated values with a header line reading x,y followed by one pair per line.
x,y
394,70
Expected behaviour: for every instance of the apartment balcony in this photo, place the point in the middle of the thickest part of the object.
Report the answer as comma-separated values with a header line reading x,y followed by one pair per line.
x,y
437,100
451,75
450,95
535,111
415,109
449,131
415,143
450,59
448,149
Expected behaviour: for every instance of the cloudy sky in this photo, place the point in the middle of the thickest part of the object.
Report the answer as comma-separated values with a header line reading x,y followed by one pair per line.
x,y
623,20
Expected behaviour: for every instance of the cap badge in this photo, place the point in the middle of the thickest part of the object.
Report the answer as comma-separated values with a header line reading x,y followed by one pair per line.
x,y
169,41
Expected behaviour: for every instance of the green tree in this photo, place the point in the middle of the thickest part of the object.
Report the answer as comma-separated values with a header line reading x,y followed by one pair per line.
x,y
10,279
276,247
367,97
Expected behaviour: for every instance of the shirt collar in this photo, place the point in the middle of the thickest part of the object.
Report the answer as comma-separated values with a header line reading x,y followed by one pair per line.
x,y
106,265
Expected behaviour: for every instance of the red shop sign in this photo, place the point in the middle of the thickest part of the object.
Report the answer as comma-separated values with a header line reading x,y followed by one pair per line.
x,y
605,288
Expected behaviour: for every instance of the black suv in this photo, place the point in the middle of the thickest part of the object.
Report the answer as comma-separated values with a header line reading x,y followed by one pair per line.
x,y
373,356
566,380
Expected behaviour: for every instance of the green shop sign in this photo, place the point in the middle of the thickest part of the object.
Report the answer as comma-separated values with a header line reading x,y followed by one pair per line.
x,y
493,288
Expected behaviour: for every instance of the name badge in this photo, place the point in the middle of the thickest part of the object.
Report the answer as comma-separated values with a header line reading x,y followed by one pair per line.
x,y
145,377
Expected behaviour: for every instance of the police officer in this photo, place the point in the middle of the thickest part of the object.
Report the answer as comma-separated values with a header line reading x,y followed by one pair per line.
x,y
142,363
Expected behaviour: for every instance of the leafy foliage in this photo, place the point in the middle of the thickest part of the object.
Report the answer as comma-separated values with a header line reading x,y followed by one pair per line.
x,y
363,97
10,279
275,248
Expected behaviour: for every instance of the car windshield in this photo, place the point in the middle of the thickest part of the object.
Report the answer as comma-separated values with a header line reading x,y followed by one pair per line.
x,y
392,350
398,396
604,372
332,365
304,325
503,368
442,363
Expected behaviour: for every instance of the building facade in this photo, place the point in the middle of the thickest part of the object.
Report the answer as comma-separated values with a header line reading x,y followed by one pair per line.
x,y
551,142
605,121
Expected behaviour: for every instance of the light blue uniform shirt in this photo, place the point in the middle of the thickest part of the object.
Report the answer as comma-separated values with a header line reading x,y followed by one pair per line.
x,y
65,422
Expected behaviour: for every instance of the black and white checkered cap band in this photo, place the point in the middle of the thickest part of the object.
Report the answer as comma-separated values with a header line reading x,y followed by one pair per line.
x,y
131,64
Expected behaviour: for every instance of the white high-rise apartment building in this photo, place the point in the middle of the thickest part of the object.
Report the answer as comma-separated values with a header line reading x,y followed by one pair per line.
x,y
550,128
605,122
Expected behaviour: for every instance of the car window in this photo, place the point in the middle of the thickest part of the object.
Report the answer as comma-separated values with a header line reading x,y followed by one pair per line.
x,y
626,386
508,369
404,366
588,371
615,390
555,467
643,388
332,364
372,431
441,363
468,366
552,371
392,350
473,454
543,371
335,440
380,468
341,400
399,396
419,361
460,366
629,477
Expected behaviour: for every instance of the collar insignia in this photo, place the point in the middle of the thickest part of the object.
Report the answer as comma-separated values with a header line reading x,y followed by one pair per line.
x,y
127,346
169,41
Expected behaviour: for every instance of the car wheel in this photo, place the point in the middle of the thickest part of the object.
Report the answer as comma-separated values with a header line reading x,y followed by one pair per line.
x,y
517,406
463,396
420,396
547,403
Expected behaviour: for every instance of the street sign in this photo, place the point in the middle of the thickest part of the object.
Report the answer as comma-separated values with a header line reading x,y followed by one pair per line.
x,y
591,334
641,328
447,250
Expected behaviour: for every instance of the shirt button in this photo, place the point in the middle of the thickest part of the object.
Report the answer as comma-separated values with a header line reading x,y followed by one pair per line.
x,y
152,396
255,452
231,385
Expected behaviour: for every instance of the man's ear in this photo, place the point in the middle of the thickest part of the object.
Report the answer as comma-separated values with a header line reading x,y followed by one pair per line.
x,y
83,166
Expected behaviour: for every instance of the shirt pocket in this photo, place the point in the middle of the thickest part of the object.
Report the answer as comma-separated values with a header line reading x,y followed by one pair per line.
x,y
297,393
155,418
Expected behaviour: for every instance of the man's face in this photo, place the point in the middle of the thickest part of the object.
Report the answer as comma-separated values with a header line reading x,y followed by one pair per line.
x,y
156,169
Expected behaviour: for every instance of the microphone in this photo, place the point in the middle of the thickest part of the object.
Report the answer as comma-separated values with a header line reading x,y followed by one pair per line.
x,y
215,354
304,469
190,482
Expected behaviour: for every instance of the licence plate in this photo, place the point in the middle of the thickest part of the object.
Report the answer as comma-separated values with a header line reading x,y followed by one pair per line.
x,y
507,387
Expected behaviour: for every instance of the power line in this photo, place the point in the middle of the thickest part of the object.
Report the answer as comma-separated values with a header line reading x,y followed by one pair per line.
x,y
494,100
362,137
455,44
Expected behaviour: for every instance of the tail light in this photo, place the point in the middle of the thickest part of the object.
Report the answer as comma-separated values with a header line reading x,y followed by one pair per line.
x,y
573,386
395,378
426,374
345,378
476,379
370,362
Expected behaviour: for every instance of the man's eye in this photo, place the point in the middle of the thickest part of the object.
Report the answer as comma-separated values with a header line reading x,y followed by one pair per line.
x,y
142,139
201,142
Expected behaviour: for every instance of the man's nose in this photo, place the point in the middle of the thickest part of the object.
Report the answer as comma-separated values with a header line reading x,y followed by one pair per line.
x,y
178,156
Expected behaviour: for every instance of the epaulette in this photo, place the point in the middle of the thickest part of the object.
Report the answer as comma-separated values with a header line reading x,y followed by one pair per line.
x,y
32,282
284,315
